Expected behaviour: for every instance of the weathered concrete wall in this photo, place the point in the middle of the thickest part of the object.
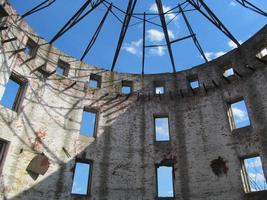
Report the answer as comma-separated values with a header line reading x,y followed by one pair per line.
x,y
124,153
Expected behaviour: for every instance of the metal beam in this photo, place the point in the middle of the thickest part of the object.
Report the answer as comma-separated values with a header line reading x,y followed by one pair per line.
x,y
93,39
182,38
144,44
252,7
77,17
37,8
212,18
126,21
165,31
195,40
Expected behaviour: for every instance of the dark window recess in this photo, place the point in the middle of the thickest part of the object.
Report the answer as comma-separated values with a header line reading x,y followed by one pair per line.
x,y
162,132
14,92
3,12
81,178
62,68
89,123
252,174
229,72
126,87
238,114
3,151
159,87
165,181
95,81
31,48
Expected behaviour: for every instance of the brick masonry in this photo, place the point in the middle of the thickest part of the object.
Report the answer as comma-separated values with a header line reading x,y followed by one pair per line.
x,y
124,152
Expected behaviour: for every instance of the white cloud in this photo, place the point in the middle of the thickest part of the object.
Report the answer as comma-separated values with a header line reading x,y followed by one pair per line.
x,y
154,35
133,47
162,128
232,3
213,55
239,115
233,45
153,8
158,51
219,53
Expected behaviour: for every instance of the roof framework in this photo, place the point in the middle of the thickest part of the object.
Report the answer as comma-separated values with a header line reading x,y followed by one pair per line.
x,y
145,18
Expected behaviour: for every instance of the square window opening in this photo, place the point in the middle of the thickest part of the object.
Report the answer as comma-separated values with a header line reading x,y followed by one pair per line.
x,y
159,87
89,123
165,181
127,87
229,72
161,125
3,151
238,115
13,94
81,178
194,84
252,174
31,48
262,53
62,68
95,81
159,90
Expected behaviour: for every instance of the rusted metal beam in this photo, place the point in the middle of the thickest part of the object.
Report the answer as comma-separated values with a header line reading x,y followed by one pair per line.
x,y
199,4
77,17
39,7
93,39
252,7
195,40
124,28
165,31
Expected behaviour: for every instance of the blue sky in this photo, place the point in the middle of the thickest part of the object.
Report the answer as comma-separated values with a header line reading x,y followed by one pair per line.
x,y
80,179
9,96
255,173
243,23
165,181
88,123
162,129
240,114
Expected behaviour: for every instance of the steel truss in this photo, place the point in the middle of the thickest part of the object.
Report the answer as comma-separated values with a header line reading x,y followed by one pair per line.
x,y
180,9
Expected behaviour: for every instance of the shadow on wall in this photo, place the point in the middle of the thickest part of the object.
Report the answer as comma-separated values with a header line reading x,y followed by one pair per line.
x,y
32,135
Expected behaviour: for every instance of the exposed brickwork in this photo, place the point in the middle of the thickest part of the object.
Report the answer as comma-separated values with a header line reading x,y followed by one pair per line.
x,y
124,152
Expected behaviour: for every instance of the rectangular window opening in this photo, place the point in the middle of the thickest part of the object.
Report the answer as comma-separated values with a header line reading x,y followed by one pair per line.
x,y
3,150
81,178
31,48
127,87
165,181
238,115
229,72
95,81
62,68
89,123
13,93
252,174
161,124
